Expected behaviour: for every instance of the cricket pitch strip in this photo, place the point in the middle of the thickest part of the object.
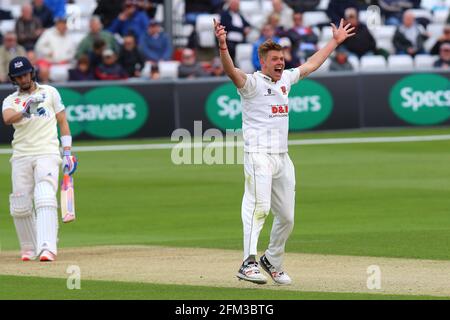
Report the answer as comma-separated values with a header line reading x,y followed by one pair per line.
x,y
217,268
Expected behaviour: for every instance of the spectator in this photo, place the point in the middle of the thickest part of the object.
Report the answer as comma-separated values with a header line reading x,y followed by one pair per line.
x,y
340,61
444,57
290,60
130,57
96,32
108,10
9,50
149,7
130,20
444,38
96,54
28,28
267,32
56,45
83,71
43,13
274,21
336,9
393,10
236,26
189,67
303,38
109,69
284,12
217,68
303,5
362,43
58,7
155,45
409,37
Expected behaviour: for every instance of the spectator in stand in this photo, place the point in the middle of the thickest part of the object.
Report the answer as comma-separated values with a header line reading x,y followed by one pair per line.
x,y
58,7
96,32
336,9
362,43
9,50
110,69
217,68
303,38
155,45
393,10
284,12
130,57
83,71
444,57
130,20
409,37
189,67
290,60
43,13
56,45
267,32
274,21
28,28
108,10
340,61
303,5
96,54
235,25
444,38
149,7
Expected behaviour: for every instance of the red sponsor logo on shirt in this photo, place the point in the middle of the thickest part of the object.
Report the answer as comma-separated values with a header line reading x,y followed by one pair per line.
x,y
17,101
280,109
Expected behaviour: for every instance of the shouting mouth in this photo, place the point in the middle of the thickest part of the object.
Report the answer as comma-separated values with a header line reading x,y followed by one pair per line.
x,y
278,70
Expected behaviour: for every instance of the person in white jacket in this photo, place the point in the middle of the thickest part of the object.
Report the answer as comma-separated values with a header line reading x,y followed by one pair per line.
x,y
56,45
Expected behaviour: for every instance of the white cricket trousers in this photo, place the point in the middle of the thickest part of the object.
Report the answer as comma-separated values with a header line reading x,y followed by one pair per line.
x,y
33,202
269,185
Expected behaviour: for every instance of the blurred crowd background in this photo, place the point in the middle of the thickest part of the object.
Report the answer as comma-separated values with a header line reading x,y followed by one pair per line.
x,y
82,40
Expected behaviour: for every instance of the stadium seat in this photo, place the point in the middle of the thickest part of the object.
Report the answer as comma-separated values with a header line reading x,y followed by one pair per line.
x,y
386,44
244,52
323,5
168,69
312,18
422,13
205,30
7,26
354,61
424,61
325,67
384,32
435,29
400,62
59,72
440,16
16,10
326,34
87,7
249,8
370,20
373,63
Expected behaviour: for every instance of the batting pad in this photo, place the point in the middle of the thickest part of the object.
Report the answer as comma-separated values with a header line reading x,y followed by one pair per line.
x,y
21,209
46,216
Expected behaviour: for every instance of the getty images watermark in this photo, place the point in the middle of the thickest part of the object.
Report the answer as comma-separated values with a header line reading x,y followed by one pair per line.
x,y
214,147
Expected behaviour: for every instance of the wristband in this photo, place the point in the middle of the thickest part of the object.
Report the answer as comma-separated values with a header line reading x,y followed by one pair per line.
x,y
66,141
223,49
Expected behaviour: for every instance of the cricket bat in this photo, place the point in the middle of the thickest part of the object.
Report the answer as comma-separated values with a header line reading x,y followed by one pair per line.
x,y
67,199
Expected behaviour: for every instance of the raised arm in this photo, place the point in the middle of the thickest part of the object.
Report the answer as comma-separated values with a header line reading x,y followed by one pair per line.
x,y
236,75
317,59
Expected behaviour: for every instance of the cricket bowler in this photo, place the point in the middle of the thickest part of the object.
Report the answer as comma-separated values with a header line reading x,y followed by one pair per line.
x,y
269,172
34,111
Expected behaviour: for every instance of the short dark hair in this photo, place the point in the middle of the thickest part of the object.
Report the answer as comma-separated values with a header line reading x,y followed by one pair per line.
x,y
267,46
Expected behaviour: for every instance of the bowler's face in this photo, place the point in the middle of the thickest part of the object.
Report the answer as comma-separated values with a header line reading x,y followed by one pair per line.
x,y
273,64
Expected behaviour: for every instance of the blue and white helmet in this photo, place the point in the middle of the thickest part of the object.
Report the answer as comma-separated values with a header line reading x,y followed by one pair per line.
x,y
19,66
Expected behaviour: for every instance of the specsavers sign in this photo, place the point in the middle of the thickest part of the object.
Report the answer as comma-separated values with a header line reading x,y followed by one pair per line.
x,y
310,104
422,99
107,112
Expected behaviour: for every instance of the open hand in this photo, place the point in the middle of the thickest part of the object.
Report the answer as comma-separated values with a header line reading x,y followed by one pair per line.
x,y
343,32
220,32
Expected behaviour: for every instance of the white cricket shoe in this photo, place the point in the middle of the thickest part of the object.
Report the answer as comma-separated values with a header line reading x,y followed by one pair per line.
x,y
47,256
249,271
28,255
278,276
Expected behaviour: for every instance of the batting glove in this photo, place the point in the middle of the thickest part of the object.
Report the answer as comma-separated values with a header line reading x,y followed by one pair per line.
x,y
70,163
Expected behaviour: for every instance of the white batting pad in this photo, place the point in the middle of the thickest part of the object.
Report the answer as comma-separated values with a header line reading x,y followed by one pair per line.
x,y
21,209
46,216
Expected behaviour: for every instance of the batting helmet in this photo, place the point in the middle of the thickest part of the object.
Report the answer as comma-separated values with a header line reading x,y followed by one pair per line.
x,y
19,66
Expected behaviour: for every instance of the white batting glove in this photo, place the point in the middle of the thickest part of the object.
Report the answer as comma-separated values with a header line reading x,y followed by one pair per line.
x,y
70,163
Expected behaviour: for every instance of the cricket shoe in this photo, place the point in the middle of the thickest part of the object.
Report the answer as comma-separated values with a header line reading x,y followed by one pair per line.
x,y
47,256
249,271
278,276
28,255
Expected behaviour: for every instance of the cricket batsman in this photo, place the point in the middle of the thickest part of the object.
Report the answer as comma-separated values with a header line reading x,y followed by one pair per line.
x,y
34,111
269,172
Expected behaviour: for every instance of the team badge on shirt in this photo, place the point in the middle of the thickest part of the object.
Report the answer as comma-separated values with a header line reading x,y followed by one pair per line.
x,y
283,89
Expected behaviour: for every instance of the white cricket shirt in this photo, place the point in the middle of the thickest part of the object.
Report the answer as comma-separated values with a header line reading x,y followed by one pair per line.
x,y
36,135
265,111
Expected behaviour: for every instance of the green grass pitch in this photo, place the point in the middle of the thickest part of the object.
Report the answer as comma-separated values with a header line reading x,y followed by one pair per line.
x,y
381,199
